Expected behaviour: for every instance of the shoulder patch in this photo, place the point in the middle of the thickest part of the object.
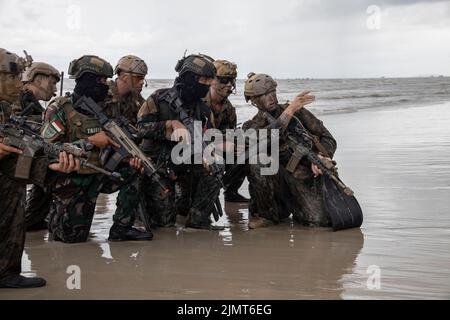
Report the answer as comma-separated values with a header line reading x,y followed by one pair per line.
x,y
52,129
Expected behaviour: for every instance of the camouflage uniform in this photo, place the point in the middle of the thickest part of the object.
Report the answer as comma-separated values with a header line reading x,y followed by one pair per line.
x,y
38,205
38,199
225,119
12,229
12,218
75,196
128,108
197,190
196,187
275,197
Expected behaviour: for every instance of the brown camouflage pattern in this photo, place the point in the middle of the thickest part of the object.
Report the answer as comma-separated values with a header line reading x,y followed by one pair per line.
x,y
128,107
300,194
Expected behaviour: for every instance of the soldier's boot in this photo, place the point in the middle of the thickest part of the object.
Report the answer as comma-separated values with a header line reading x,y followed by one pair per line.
x,y
121,233
198,220
235,197
259,222
18,281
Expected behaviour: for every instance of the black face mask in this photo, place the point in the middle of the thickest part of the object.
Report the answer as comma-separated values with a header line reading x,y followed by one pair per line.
x,y
190,89
89,85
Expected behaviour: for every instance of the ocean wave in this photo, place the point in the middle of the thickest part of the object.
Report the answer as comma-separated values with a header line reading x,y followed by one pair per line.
x,y
441,93
372,95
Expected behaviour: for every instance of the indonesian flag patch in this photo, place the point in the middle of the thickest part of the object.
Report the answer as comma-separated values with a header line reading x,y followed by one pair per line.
x,y
57,126
53,129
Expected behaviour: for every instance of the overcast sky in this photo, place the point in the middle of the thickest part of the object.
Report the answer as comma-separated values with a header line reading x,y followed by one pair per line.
x,y
285,38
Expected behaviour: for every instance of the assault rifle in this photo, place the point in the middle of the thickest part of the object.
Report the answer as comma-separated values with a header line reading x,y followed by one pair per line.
x,y
121,132
177,106
301,144
339,202
214,169
30,105
21,134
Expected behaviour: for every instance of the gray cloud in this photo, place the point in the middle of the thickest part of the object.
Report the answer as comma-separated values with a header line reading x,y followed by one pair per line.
x,y
291,38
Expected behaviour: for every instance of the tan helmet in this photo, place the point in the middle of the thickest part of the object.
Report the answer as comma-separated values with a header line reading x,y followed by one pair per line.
x,y
225,68
90,64
40,68
131,64
258,84
10,62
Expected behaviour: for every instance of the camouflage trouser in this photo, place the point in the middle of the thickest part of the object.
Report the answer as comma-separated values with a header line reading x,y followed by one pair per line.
x,y
275,197
38,205
127,199
12,226
159,207
74,205
198,192
194,198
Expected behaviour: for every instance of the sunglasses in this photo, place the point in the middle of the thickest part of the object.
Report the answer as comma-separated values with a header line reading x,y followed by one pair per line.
x,y
226,80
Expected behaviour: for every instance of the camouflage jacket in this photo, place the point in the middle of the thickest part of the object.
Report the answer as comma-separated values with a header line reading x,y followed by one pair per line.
x,y
6,110
153,117
39,165
225,118
116,106
64,122
313,125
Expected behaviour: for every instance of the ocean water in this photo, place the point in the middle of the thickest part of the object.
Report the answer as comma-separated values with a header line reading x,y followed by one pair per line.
x,y
393,150
338,95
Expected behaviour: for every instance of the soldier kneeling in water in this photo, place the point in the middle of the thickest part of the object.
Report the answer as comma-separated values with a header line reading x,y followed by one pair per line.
x,y
296,192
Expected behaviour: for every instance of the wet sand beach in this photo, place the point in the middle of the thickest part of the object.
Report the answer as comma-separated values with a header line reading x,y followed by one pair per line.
x,y
395,160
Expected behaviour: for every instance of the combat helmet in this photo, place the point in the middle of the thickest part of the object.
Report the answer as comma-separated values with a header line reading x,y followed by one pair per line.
x,y
91,64
40,68
12,63
258,84
131,64
225,69
199,64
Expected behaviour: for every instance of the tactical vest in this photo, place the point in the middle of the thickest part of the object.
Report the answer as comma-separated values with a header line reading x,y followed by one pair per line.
x,y
163,98
157,149
78,127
